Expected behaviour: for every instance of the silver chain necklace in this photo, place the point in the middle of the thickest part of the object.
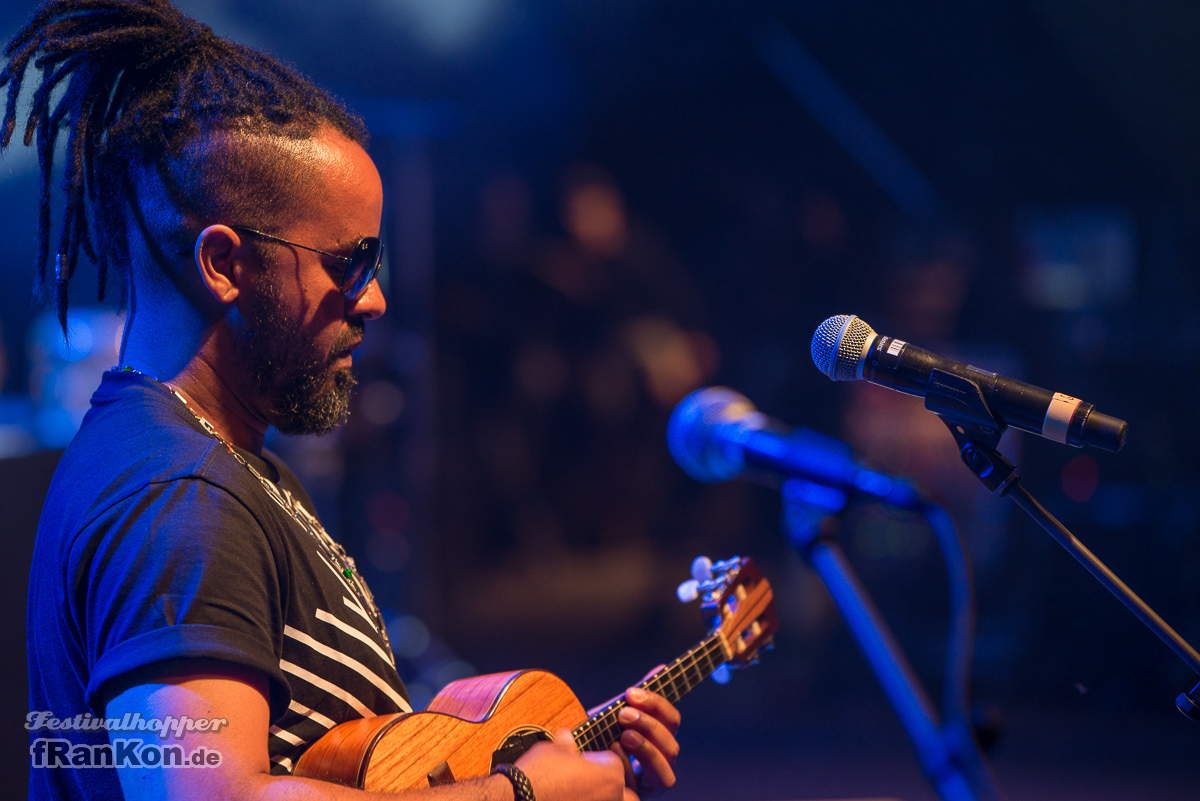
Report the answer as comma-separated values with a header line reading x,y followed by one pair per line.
x,y
330,548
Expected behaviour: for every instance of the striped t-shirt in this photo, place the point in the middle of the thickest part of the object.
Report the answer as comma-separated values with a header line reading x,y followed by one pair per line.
x,y
156,544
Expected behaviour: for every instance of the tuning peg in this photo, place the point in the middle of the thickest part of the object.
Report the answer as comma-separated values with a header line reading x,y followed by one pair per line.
x,y
722,675
726,565
702,569
688,591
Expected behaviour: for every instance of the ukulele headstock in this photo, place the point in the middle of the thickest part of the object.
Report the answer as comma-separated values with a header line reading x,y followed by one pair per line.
x,y
737,603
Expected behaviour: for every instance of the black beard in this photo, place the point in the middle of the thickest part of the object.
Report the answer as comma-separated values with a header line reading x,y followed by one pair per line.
x,y
291,379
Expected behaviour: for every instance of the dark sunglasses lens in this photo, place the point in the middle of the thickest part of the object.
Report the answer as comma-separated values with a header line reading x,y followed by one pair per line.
x,y
364,266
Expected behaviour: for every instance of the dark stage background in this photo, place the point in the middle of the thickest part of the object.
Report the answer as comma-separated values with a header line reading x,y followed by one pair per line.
x,y
596,207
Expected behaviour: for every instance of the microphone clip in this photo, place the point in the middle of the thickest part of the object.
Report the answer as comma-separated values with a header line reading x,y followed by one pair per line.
x,y
960,404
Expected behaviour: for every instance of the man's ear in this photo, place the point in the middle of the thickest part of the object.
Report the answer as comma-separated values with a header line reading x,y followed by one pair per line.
x,y
220,258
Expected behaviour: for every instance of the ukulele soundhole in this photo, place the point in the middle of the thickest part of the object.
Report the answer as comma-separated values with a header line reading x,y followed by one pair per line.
x,y
517,743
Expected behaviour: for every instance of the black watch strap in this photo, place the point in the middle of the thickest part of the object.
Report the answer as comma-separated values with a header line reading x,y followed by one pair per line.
x,y
522,789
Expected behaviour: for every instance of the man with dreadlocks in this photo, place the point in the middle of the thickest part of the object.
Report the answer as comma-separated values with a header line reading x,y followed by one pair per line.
x,y
180,573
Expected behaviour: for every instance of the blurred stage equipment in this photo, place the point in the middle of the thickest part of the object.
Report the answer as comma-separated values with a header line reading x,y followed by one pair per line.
x,y
977,407
848,123
716,434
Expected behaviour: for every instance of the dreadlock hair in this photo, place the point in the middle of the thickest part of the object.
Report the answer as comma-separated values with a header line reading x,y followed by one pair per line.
x,y
149,91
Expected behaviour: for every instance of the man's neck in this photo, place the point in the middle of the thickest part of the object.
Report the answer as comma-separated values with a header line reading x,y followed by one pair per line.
x,y
200,366
209,394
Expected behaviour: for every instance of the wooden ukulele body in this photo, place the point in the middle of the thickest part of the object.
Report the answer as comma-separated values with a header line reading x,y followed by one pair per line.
x,y
477,722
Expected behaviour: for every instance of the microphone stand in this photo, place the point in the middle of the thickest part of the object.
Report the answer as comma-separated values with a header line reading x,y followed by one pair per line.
x,y
947,752
960,404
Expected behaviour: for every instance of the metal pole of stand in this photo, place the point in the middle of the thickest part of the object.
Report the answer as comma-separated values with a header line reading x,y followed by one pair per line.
x,y
1140,608
895,675
999,474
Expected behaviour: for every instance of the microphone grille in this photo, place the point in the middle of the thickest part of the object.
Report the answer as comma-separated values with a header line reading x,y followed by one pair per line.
x,y
693,438
839,344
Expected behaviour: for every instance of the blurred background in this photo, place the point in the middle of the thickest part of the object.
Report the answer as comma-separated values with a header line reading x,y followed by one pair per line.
x,y
594,208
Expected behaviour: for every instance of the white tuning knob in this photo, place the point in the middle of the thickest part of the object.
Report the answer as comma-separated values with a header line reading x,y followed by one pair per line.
x,y
702,568
688,591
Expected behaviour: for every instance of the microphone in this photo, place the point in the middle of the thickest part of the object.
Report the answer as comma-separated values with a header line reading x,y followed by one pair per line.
x,y
716,434
845,348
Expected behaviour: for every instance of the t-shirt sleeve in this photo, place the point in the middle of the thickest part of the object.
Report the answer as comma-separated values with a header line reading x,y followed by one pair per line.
x,y
180,570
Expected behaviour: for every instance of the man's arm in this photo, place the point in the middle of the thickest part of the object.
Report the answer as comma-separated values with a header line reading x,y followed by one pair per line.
x,y
239,695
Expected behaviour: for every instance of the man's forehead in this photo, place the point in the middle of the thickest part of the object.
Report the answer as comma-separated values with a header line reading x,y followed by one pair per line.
x,y
315,150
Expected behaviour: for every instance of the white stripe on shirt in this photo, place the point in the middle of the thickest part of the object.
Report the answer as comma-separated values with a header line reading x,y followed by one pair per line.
x,y
287,736
327,686
356,634
358,609
350,662
314,716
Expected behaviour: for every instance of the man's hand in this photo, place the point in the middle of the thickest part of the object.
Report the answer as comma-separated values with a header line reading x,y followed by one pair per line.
x,y
650,723
558,771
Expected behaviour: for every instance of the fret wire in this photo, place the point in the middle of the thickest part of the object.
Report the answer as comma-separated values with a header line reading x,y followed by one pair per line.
x,y
715,656
692,673
688,667
679,684
664,679
600,728
607,734
701,673
705,659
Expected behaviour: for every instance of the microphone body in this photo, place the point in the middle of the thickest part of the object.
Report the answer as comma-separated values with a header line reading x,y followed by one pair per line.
x,y
716,434
846,348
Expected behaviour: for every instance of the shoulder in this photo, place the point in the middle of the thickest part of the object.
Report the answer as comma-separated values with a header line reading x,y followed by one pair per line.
x,y
136,424
137,434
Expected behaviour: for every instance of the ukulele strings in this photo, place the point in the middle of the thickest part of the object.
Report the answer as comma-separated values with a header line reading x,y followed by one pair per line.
x,y
672,682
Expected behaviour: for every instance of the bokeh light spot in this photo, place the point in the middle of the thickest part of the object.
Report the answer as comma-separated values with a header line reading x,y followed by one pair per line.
x,y
594,213
381,402
387,510
409,635
388,550
1080,477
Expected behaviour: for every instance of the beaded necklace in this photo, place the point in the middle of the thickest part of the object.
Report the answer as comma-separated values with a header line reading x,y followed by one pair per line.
x,y
330,549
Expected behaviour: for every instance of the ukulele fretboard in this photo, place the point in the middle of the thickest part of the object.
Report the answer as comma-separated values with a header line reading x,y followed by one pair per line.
x,y
673,682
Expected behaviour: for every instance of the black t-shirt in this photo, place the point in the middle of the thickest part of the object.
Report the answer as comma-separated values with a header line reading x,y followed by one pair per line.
x,y
157,544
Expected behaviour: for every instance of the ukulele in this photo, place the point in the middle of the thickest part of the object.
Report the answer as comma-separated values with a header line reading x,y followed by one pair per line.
x,y
474,724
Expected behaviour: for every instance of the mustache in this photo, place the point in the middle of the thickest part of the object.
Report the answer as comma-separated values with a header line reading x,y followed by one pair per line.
x,y
350,336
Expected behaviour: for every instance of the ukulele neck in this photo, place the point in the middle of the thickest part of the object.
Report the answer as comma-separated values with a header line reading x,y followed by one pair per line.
x,y
673,682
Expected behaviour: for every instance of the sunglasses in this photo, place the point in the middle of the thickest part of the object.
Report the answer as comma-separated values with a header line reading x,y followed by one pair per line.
x,y
361,266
